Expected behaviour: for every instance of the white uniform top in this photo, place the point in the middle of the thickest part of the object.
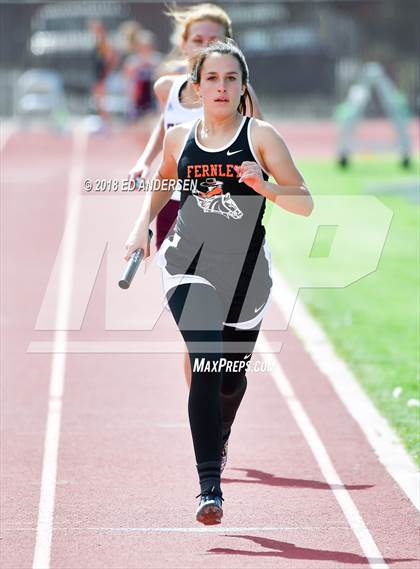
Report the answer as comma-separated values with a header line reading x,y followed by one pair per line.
x,y
175,113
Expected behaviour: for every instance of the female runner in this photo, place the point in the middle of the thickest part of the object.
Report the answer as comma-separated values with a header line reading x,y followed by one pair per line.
x,y
216,266
195,28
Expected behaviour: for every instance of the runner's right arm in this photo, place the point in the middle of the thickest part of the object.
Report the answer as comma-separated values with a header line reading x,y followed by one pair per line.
x,y
154,201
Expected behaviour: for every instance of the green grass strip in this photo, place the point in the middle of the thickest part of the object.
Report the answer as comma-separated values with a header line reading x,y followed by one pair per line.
x,y
374,322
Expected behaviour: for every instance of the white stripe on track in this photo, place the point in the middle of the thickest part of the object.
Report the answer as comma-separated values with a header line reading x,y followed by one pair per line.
x,y
382,438
42,551
221,529
119,347
325,464
7,128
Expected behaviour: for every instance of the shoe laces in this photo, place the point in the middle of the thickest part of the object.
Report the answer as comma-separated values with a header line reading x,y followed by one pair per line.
x,y
213,491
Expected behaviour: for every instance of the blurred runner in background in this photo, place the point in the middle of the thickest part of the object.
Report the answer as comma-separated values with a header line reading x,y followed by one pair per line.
x,y
105,59
140,69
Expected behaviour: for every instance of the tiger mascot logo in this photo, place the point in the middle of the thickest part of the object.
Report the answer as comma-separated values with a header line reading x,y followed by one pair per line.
x,y
215,201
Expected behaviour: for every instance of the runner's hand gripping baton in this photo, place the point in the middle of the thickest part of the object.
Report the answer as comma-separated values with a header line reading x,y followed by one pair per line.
x,y
132,266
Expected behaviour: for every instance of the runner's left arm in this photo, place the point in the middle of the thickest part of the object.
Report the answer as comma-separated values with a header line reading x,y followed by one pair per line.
x,y
290,191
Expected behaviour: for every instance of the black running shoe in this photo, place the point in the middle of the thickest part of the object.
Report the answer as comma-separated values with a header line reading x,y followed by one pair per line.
x,y
210,510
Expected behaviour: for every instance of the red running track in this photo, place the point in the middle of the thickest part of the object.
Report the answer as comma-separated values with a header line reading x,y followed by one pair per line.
x,y
126,478
317,139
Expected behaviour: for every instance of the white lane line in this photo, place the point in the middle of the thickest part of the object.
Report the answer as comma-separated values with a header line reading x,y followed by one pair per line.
x,y
218,529
382,438
7,128
119,347
42,551
325,464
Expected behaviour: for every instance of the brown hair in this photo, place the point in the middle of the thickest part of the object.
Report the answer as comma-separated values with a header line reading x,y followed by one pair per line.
x,y
226,47
184,17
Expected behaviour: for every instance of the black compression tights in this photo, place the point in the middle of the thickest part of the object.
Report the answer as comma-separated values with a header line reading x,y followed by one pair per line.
x,y
218,355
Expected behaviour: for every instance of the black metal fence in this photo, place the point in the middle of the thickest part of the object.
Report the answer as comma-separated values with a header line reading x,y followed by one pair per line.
x,y
295,49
